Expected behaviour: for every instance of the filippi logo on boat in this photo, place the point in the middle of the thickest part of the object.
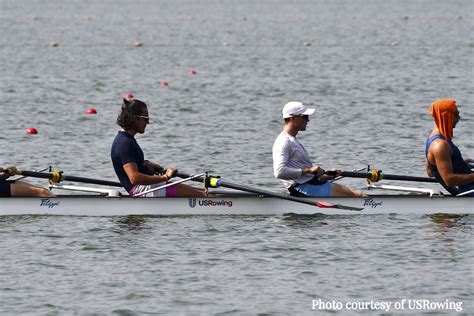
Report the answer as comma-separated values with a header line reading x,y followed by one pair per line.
x,y
193,202
48,203
372,203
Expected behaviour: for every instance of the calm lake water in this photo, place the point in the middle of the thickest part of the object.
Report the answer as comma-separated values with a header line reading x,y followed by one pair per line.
x,y
370,67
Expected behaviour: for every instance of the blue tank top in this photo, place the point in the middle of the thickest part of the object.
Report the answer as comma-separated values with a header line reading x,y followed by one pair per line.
x,y
125,149
459,166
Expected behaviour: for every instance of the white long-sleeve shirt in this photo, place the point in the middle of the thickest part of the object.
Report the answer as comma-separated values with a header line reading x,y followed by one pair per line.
x,y
289,158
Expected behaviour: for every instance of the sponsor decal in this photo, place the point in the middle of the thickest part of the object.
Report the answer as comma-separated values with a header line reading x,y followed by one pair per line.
x,y
372,203
193,202
48,203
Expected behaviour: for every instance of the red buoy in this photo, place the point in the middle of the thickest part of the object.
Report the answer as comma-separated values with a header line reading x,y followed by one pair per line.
x,y
91,111
164,83
32,131
128,96
192,72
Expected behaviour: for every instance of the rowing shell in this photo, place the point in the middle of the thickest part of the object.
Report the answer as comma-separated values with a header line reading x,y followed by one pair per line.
x,y
89,205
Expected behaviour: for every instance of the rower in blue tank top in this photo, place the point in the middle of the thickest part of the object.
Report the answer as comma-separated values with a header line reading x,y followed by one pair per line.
x,y
444,160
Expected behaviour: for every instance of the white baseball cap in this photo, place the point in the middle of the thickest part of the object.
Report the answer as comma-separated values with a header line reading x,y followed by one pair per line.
x,y
295,108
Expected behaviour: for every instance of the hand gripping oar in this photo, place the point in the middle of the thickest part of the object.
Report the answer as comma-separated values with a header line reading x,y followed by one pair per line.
x,y
377,175
58,176
217,182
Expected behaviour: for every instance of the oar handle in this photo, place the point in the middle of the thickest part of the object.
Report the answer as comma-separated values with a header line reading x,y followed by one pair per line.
x,y
8,171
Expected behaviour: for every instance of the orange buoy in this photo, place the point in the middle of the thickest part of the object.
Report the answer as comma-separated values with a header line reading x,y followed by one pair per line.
x,y
32,131
164,83
192,72
91,111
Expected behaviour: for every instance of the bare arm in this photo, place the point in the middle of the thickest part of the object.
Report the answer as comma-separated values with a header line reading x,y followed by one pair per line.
x,y
156,168
136,177
428,170
441,153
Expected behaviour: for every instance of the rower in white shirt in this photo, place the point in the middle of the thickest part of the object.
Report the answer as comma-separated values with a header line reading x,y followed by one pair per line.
x,y
291,162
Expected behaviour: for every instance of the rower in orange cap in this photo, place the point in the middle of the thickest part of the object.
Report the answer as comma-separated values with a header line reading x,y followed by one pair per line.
x,y
443,158
16,188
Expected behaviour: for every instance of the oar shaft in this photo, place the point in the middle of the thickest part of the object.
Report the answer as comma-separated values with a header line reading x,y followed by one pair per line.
x,y
369,175
408,178
239,187
51,176
270,194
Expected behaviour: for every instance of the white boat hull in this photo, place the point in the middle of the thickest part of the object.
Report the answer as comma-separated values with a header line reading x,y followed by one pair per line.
x,y
232,205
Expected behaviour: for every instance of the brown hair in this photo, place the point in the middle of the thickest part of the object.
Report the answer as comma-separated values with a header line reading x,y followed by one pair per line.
x,y
130,108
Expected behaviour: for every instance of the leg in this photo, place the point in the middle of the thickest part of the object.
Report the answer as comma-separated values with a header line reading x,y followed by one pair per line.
x,y
340,190
183,190
22,189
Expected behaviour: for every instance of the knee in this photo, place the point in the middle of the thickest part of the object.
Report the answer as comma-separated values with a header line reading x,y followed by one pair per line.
x,y
43,192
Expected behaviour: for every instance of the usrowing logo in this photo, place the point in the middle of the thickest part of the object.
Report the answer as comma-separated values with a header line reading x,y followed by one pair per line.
x,y
372,203
193,202
48,203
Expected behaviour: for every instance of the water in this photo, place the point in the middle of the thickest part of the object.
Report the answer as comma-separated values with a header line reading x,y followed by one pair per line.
x,y
372,69
229,265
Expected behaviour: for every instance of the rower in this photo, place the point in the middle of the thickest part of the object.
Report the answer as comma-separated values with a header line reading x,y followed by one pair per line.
x,y
136,174
291,162
444,160
16,188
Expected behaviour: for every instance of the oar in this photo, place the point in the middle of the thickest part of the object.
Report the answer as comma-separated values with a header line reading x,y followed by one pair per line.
x,y
377,175
217,182
57,177
340,177
169,184
23,177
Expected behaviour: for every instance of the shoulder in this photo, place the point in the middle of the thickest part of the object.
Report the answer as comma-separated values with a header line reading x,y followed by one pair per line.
x,y
121,138
284,144
123,143
282,140
440,147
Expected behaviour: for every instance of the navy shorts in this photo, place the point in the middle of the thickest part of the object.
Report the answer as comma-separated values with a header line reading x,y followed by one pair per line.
x,y
5,190
467,187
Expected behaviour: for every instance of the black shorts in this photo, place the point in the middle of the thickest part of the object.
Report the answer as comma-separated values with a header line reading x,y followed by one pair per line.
x,y
5,190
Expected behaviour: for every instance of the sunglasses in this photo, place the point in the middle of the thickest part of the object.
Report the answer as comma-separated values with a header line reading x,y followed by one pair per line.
x,y
146,118
305,117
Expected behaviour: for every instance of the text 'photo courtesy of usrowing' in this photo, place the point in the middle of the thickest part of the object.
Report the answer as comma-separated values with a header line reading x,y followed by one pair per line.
x,y
236,157
418,305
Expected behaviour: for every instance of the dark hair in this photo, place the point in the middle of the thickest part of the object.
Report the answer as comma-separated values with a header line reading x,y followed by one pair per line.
x,y
130,108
